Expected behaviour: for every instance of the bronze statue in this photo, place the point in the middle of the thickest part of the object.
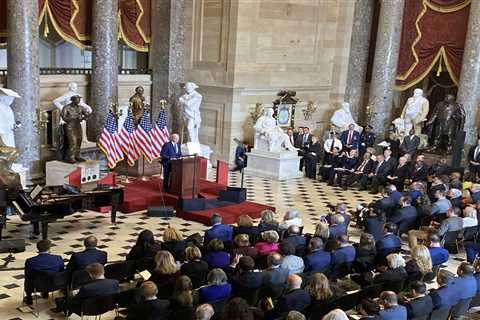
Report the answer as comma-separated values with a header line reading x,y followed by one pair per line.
x,y
446,120
73,114
137,103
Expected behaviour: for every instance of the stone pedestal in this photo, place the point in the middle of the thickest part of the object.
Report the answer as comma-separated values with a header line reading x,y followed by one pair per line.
x,y
282,165
57,172
202,150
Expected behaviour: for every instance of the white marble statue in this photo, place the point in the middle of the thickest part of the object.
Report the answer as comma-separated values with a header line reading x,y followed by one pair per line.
x,y
8,124
190,103
414,114
269,136
342,118
64,99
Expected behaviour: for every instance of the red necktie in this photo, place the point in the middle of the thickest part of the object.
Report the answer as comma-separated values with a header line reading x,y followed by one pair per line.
x,y
349,139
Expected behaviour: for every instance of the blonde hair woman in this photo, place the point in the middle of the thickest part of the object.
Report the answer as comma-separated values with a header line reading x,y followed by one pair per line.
x,y
322,231
174,243
268,244
165,274
195,268
420,262
319,287
268,221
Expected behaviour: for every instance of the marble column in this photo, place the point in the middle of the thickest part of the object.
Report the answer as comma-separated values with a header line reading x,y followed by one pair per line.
x,y
358,59
167,52
24,77
104,81
469,86
385,63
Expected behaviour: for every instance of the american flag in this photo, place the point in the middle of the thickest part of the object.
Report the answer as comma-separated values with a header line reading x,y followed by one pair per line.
x,y
127,140
159,134
108,142
142,137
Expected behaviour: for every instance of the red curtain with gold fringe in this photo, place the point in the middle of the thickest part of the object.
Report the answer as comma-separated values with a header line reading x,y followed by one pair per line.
x,y
71,19
433,36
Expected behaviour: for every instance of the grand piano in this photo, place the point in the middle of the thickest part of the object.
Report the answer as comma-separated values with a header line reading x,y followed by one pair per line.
x,y
42,206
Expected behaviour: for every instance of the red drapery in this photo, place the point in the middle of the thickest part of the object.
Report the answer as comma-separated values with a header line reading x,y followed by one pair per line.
x,y
433,31
71,19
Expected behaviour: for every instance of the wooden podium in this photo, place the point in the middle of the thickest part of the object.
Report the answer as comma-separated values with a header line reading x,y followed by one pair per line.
x,y
185,177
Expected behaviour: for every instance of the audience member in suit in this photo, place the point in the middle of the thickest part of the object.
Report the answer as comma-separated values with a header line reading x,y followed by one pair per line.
x,y
456,180
410,143
294,237
217,287
80,260
238,308
222,232
406,213
338,226
438,254
342,257
350,138
145,247
245,278
473,158
348,162
99,287
150,308
245,226
243,246
291,262
368,309
295,298
216,256
367,140
394,146
401,173
360,171
390,242
165,274
446,295
365,252
317,260
330,162
274,277
306,138
442,204
195,268
268,221
455,197
440,168
174,243
299,138
42,264
418,302
420,169
391,309
475,192
378,176
388,203
465,283
374,223
395,271
241,156
170,151
312,157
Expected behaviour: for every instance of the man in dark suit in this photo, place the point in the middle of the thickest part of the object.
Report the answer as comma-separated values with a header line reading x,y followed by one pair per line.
x,y
241,156
406,213
379,175
438,254
151,308
41,264
306,138
360,172
80,260
170,151
391,309
274,277
298,136
474,159
245,278
222,232
350,138
367,140
420,170
446,294
342,257
419,303
410,143
294,299
465,283
317,260
390,242
294,237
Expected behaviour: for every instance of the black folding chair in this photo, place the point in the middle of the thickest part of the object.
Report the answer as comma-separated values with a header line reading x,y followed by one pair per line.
x,y
49,282
120,271
79,278
450,239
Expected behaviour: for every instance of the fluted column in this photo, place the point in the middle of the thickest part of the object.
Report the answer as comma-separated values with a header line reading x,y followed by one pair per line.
x,y
469,86
167,50
24,78
358,59
104,82
385,63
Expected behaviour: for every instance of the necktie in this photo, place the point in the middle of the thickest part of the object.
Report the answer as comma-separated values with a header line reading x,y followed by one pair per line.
x,y
333,145
349,139
176,148
476,154
362,166
378,167
305,136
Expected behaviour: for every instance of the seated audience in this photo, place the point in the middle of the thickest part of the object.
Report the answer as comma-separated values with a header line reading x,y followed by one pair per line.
x,y
420,261
379,174
455,197
295,298
80,260
274,277
317,260
401,173
183,300
145,247
321,293
245,226
295,315
365,252
204,312
438,254
195,268
336,314
441,204
165,274
268,244
395,270
465,282
368,309
418,303
294,237
237,309
243,247
245,278
406,216
390,242
150,308
338,226
42,264
174,243
216,257
360,171
291,218
268,221
469,217
391,309
420,170
291,262
331,160
445,296
222,232
217,287
342,257
374,223
348,161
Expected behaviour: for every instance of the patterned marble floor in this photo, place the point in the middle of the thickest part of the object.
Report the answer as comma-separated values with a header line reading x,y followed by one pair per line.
x,y
307,196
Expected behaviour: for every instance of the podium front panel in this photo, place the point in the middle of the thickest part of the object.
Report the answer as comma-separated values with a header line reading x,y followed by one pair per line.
x,y
185,177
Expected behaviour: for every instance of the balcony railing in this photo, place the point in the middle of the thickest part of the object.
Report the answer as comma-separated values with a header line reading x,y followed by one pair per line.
x,y
75,71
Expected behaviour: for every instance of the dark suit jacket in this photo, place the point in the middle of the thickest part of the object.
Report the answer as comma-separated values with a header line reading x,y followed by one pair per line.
x,y
405,213
369,167
471,154
383,170
197,272
343,255
297,300
98,288
445,296
43,263
244,282
410,144
168,152
355,138
149,310
389,241
391,164
374,226
139,252
296,240
176,248
221,232
395,313
419,307
275,277
318,261
420,173
391,275
79,260
466,286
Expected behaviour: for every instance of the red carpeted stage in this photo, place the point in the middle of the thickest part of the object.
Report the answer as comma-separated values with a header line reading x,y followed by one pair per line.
x,y
138,195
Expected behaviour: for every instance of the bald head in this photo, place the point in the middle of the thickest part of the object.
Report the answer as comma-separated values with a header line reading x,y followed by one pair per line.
x,y
294,281
90,242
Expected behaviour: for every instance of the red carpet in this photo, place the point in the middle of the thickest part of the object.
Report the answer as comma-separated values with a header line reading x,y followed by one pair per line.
x,y
138,195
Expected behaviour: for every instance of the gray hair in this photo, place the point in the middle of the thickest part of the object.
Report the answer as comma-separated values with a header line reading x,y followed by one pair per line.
x,y
216,277
292,214
204,312
395,261
336,314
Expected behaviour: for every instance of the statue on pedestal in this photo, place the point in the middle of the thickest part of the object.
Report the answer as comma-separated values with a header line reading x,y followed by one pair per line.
x,y
342,118
8,124
190,103
73,114
446,121
137,104
413,115
269,136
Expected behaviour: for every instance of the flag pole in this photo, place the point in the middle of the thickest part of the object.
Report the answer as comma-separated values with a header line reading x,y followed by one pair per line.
x,y
148,109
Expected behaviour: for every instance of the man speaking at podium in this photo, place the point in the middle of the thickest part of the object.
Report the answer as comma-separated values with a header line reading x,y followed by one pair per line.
x,y
170,151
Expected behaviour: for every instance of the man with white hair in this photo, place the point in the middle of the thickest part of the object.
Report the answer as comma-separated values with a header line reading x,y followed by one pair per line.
x,y
190,102
170,151
204,312
295,298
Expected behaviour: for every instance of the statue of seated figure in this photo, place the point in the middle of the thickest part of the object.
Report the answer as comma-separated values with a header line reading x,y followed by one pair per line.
x,y
269,136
